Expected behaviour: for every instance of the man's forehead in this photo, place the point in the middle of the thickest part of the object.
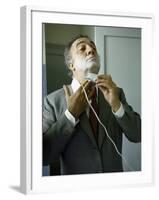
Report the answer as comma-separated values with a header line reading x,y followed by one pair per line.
x,y
82,40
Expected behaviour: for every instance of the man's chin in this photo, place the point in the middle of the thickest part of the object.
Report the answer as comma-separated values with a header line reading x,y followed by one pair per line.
x,y
93,69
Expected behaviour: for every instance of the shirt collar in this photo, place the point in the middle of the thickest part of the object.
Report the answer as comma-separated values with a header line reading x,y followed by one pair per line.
x,y
75,85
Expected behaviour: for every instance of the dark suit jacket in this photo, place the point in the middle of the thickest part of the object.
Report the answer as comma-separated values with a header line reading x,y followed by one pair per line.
x,y
76,146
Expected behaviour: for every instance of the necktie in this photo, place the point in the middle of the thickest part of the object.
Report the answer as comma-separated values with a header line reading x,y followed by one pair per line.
x,y
92,118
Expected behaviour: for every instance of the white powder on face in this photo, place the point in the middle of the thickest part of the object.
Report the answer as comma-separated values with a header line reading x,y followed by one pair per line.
x,y
91,65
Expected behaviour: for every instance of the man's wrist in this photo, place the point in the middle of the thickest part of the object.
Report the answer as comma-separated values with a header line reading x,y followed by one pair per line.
x,y
71,118
116,106
120,112
73,113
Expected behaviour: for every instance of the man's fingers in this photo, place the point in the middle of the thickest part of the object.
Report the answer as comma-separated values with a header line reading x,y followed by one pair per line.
x,y
82,85
84,82
106,83
104,76
89,86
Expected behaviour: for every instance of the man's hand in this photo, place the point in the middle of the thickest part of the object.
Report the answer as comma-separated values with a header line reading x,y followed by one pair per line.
x,y
109,90
77,102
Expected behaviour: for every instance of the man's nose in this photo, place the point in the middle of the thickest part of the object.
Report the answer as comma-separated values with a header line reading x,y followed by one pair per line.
x,y
90,50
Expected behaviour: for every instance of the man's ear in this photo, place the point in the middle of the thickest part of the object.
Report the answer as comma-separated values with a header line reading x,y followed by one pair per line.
x,y
71,67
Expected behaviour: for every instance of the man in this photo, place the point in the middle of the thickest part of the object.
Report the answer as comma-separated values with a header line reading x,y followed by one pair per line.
x,y
69,134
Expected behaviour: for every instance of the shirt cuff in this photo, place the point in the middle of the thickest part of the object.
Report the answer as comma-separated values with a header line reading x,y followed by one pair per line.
x,y
120,112
71,118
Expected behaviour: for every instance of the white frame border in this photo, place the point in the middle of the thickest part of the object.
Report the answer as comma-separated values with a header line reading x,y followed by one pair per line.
x,y
31,48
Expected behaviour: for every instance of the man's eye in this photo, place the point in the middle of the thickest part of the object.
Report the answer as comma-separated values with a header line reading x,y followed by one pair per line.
x,y
82,48
95,49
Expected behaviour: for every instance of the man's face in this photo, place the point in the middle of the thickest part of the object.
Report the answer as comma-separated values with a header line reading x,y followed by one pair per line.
x,y
84,56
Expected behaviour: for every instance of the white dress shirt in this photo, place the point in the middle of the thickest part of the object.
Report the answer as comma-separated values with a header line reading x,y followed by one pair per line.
x,y
75,85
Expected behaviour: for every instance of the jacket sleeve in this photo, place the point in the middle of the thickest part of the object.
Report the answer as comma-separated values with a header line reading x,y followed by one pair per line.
x,y
130,122
57,131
